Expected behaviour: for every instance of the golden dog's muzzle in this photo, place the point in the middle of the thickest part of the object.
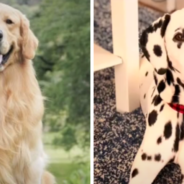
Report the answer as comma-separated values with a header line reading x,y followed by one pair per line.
x,y
4,58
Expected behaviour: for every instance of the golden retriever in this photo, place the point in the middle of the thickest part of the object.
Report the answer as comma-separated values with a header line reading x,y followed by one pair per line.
x,y
22,159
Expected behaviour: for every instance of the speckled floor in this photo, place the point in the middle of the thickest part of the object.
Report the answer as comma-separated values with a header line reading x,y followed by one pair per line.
x,y
118,136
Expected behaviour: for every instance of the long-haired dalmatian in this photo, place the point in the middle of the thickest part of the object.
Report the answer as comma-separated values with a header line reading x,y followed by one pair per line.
x,y
161,98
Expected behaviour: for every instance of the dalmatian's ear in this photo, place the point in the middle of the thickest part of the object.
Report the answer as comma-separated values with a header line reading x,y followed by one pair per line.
x,y
152,43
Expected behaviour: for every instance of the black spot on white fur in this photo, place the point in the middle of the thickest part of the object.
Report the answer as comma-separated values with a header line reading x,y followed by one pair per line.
x,y
148,157
156,100
182,130
162,71
164,25
169,77
175,98
157,50
176,141
168,130
157,25
144,156
135,172
144,95
157,157
161,86
152,117
170,64
144,37
143,41
161,108
146,73
155,79
179,82
159,140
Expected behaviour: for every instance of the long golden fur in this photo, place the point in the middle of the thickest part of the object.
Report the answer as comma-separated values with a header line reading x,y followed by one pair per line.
x,y
22,159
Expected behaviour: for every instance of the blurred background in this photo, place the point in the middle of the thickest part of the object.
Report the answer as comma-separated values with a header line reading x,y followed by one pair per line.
x,y
62,66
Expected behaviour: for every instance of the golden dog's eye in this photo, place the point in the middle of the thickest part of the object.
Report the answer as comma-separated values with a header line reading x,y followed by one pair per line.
x,y
179,37
9,21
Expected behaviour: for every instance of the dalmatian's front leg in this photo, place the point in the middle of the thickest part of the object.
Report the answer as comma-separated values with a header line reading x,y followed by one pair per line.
x,y
155,152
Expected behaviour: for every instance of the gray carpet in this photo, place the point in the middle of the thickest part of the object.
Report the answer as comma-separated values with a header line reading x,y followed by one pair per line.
x,y
117,136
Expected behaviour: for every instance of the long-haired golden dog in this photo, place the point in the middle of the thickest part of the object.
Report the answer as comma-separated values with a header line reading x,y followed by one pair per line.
x,y
22,159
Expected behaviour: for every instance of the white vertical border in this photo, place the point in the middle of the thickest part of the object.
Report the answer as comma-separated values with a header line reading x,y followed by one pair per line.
x,y
91,91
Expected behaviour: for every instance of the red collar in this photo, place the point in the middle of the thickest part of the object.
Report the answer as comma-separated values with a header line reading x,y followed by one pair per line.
x,y
177,107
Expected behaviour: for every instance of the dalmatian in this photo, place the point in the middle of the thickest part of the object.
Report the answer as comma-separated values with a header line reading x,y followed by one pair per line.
x,y
161,79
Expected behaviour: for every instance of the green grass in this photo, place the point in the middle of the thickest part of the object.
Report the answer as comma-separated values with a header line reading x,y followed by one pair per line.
x,y
62,171
62,163
58,154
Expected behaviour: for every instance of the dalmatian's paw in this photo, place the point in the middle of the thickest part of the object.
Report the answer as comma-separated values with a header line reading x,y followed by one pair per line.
x,y
153,155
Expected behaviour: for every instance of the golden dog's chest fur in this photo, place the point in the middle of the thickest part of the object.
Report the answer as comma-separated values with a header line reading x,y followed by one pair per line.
x,y
22,159
21,110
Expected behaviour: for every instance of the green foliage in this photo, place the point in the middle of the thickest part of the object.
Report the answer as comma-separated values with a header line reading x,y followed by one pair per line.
x,y
63,66
10,2
20,2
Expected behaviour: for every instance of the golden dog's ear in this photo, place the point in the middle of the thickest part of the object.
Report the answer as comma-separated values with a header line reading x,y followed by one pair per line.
x,y
29,41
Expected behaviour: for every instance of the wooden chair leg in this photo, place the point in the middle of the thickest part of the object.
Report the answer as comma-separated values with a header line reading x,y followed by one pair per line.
x,y
170,5
125,45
